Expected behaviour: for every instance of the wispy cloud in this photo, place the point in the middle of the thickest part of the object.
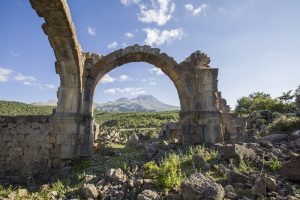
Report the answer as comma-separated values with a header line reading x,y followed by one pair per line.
x,y
91,30
158,11
222,10
9,75
112,45
21,77
129,35
107,79
129,2
196,10
155,71
124,77
158,37
5,74
128,90
153,83
14,54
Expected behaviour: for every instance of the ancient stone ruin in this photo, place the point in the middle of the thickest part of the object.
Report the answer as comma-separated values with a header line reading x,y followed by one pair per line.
x,y
205,118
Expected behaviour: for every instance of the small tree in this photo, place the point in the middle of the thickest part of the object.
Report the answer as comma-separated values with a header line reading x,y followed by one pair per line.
x,y
287,97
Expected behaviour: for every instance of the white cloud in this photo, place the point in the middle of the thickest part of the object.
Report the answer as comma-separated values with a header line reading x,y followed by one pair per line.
x,y
107,79
156,71
222,10
112,45
8,74
194,10
158,11
124,77
50,86
129,35
91,30
128,90
14,54
152,83
5,74
128,2
157,37
40,85
21,77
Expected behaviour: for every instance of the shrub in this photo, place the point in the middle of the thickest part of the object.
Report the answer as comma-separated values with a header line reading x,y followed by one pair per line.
x,y
274,164
167,174
246,166
284,123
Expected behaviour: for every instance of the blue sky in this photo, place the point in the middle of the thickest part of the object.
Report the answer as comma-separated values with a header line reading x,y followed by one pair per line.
x,y
254,43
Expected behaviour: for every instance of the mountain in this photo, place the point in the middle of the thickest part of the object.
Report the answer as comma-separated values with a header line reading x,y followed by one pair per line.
x,y
11,108
142,103
46,103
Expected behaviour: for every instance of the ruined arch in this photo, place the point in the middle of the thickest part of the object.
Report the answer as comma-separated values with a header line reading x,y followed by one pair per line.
x,y
204,113
96,67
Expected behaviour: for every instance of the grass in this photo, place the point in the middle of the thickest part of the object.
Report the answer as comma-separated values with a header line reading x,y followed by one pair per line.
x,y
273,165
246,166
168,173
284,123
176,166
5,191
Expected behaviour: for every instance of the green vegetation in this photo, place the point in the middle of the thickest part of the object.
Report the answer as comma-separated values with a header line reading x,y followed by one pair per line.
x,y
274,164
262,101
246,166
173,169
79,168
5,191
135,119
124,156
284,123
168,174
11,108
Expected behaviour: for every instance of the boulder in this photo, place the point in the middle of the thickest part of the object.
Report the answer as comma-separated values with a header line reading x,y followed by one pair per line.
x,y
271,184
236,151
197,187
148,195
198,161
259,187
235,177
133,139
274,138
89,191
291,170
116,175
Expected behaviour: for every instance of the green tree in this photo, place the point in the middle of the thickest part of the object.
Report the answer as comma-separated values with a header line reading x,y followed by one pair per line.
x,y
286,97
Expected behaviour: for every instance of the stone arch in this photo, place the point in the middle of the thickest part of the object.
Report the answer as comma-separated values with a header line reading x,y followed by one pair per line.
x,y
130,54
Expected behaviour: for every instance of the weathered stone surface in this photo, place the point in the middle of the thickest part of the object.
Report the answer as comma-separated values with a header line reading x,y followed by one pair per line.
x,y
25,146
291,170
198,187
236,151
89,191
259,187
148,195
274,138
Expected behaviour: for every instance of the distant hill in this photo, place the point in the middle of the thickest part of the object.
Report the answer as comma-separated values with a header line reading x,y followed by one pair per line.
x,y
142,103
46,103
12,108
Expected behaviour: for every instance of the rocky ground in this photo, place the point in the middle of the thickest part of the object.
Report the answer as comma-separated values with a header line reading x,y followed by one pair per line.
x,y
139,165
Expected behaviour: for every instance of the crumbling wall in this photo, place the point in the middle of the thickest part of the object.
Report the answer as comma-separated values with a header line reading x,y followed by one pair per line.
x,y
234,127
25,148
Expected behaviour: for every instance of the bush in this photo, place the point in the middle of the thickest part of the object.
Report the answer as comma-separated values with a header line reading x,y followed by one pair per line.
x,y
167,174
284,123
274,164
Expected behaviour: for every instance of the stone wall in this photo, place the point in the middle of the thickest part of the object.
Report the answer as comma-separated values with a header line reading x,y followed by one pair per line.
x,y
25,148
